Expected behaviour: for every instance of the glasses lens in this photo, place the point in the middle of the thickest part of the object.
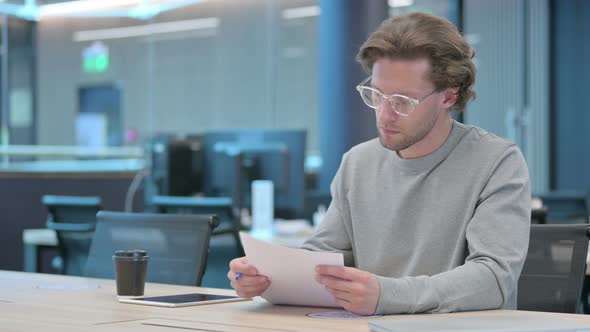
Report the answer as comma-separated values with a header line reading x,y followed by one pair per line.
x,y
401,105
371,97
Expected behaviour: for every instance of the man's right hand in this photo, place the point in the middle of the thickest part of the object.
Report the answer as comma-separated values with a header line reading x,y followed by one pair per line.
x,y
245,278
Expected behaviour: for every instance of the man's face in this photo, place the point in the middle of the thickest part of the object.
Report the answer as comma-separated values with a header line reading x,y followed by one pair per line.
x,y
408,78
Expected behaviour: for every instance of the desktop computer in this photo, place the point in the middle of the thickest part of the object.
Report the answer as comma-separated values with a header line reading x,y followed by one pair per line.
x,y
175,165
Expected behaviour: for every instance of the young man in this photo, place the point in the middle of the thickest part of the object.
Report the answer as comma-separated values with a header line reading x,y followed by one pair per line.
x,y
433,216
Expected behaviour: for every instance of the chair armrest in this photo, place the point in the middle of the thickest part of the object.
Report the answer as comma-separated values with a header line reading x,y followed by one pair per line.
x,y
181,201
67,227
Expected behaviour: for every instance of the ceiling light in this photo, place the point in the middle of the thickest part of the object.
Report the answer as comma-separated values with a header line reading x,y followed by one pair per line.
x,y
146,30
400,3
82,6
301,12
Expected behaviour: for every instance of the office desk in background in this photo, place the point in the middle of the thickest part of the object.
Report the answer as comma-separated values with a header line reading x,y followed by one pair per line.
x,y
35,240
42,302
23,185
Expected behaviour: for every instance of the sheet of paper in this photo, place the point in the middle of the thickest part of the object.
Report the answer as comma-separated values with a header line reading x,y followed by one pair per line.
x,y
291,271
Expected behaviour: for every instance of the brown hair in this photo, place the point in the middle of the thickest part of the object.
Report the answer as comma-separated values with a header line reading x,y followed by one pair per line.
x,y
420,35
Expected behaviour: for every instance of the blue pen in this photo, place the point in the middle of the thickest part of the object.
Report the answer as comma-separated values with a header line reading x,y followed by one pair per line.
x,y
238,275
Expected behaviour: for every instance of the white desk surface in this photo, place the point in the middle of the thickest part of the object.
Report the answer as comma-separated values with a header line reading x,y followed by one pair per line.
x,y
40,236
287,233
43,302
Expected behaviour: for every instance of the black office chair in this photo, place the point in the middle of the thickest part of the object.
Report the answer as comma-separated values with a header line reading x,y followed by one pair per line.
x,y
539,216
538,211
313,200
221,206
568,207
73,218
565,207
554,270
177,245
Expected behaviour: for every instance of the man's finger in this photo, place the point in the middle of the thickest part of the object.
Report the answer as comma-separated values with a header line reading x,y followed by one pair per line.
x,y
241,265
335,283
250,280
342,302
342,272
344,295
249,291
250,287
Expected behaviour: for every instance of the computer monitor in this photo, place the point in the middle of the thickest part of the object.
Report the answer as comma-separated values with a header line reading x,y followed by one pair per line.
x,y
175,165
234,158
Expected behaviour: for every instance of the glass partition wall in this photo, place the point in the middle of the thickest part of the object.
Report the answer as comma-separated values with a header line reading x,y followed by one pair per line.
x,y
108,76
116,73
17,81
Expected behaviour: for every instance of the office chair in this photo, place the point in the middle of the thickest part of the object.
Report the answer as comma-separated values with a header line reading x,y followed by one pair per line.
x,y
565,207
539,215
73,218
220,206
313,200
568,207
177,245
554,269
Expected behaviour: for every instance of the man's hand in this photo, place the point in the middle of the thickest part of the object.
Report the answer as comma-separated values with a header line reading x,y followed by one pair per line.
x,y
356,290
245,278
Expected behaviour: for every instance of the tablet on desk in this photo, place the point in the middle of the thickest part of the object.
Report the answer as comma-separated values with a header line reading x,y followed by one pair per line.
x,y
182,300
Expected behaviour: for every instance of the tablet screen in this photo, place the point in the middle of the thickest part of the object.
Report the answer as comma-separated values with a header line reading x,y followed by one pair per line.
x,y
184,298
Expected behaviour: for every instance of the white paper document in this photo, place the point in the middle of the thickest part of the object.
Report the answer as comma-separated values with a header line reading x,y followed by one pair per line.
x,y
291,271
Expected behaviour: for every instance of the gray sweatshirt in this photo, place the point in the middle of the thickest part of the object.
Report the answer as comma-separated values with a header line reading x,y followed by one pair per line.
x,y
445,232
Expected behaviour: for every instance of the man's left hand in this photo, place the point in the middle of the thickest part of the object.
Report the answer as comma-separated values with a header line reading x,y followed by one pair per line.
x,y
355,290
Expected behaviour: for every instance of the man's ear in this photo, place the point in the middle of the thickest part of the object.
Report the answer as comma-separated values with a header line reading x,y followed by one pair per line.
x,y
451,95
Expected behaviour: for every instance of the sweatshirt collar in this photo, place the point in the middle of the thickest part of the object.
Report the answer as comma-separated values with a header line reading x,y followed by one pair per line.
x,y
417,165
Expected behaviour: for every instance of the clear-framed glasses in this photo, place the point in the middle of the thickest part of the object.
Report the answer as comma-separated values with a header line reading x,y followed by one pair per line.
x,y
402,105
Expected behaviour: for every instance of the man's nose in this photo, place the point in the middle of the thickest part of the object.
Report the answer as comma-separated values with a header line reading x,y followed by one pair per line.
x,y
386,112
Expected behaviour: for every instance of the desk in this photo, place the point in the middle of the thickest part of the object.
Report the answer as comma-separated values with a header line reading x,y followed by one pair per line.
x,y
287,233
34,241
43,302
26,189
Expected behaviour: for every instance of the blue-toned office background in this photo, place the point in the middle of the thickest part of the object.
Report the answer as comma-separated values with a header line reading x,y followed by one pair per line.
x,y
224,64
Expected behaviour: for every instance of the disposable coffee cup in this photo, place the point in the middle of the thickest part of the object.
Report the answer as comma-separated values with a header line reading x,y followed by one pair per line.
x,y
130,271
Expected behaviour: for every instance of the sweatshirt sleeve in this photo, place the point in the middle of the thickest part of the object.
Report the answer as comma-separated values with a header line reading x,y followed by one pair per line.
x,y
497,238
334,233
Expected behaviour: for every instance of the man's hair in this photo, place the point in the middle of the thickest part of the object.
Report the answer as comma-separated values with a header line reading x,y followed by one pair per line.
x,y
420,35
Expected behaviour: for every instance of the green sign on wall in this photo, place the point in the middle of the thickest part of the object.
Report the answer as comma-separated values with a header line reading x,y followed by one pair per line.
x,y
95,58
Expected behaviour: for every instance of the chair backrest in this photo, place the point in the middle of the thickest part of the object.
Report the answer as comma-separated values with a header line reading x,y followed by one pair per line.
x,y
554,269
187,205
565,207
177,245
73,218
220,206
313,199
539,215
223,207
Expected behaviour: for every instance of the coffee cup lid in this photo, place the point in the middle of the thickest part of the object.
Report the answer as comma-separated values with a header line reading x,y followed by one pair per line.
x,y
131,253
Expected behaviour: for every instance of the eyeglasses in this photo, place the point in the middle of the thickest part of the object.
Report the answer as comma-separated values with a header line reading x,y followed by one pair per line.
x,y
402,105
